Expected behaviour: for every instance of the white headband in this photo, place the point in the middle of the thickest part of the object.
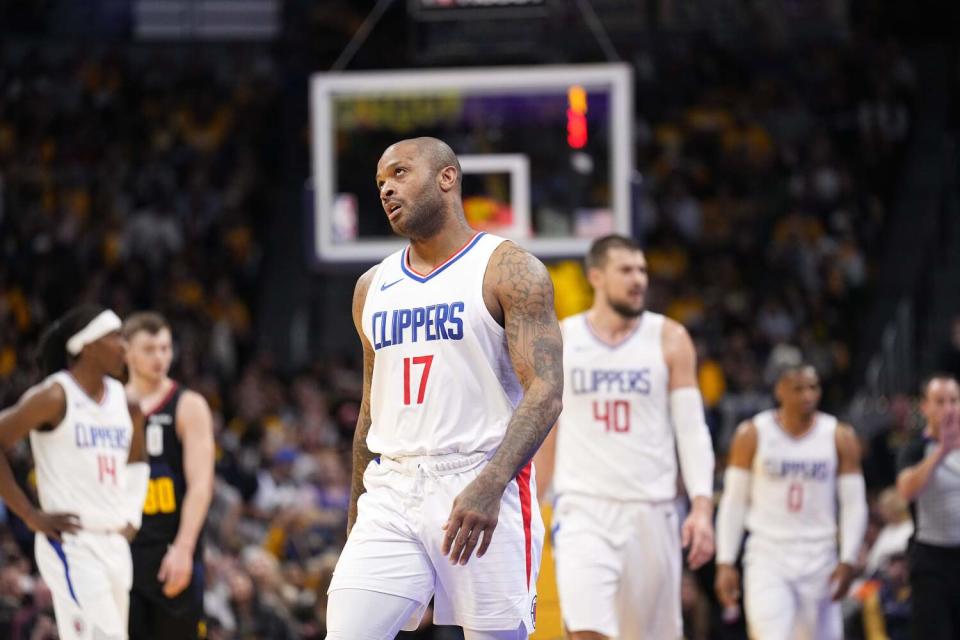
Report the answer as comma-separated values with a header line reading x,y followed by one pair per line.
x,y
106,322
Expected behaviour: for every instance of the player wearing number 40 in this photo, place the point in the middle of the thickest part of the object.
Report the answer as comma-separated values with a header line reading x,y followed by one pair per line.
x,y
789,468
87,445
166,602
630,404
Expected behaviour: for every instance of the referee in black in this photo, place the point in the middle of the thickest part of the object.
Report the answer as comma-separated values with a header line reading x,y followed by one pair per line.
x,y
929,478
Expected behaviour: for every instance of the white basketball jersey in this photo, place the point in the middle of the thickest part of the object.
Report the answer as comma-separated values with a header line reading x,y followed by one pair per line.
x,y
442,378
615,438
793,492
81,464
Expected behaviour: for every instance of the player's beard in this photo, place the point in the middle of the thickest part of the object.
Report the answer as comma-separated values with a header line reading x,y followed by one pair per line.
x,y
625,310
422,217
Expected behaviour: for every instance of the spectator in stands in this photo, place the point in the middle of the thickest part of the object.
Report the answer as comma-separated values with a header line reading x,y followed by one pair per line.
x,y
276,487
880,467
895,534
887,602
253,617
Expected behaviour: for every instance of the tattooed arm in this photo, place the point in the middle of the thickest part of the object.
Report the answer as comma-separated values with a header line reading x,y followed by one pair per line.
x,y
518,292
361,455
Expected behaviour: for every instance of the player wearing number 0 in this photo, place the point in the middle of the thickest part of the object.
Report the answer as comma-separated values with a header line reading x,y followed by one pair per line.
x,y
166,602
462,381
630,404
87,445
788,469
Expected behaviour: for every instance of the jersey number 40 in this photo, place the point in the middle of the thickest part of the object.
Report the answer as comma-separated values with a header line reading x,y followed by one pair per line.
x,y
614,414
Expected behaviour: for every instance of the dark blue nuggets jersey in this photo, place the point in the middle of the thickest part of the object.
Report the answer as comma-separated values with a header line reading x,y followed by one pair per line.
x,y
168,484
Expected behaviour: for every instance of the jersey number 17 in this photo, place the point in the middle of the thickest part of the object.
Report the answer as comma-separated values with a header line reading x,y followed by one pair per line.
x,y
426,362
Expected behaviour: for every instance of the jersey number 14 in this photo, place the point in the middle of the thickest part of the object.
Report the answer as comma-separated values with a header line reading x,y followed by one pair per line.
x,y
795,497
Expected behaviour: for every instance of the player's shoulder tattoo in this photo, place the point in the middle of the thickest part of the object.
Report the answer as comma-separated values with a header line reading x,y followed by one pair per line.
x,y
525,291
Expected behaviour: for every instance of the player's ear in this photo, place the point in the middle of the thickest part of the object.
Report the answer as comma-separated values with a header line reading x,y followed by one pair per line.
x,y
448,178
594,277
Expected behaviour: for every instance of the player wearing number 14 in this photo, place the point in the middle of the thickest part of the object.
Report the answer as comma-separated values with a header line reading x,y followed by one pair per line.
x,y
87,445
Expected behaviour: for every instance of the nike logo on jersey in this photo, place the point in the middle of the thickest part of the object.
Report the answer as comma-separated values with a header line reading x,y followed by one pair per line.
x,y
385,286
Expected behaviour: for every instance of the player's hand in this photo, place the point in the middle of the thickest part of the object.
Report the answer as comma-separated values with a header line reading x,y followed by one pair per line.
x,y
52,525
840,579
697,534
950,431
176,570
727,585
475,512
129,532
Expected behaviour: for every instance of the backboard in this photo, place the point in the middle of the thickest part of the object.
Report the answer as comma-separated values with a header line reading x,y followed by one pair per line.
x,y
546,152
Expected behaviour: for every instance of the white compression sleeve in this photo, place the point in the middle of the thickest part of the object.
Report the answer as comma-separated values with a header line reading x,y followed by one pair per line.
x,y
852,492
138,476
694,446
732,514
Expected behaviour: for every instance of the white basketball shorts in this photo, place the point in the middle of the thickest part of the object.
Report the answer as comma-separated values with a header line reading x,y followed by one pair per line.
x,y
89,575
787,590
394,546
618,567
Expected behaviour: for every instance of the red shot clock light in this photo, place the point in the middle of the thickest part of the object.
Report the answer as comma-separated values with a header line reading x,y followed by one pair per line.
x,y
576,117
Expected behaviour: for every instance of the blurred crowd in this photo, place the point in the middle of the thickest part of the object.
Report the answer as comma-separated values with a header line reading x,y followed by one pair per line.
x,y
144,177
766,178
767,175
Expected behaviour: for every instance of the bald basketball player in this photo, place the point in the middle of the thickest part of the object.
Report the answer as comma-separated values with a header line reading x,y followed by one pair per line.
x,y
462,381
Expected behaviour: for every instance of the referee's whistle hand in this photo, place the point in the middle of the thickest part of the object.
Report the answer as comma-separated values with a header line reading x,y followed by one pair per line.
x,y
950,430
